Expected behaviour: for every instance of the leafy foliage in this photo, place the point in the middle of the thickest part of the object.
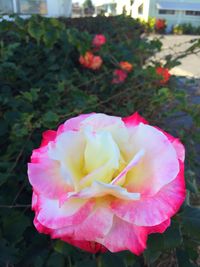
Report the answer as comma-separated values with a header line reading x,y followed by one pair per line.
x,y
186,28
43,84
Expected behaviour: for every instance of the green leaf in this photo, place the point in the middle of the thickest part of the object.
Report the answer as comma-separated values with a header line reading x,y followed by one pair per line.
x,y
32,95
8,252
50,116
155,241
3,127
15,225
87,262
113,260
20,22
63,248
151,255
158,243
191,247
130,257
191,183
172,237
35,30
191,221
183,259
56,260
51,34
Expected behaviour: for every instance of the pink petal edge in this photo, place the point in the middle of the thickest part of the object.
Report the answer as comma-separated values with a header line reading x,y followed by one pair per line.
x,y
134,120
155,209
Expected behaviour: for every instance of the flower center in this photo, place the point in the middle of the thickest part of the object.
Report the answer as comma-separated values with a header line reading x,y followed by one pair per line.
x,y
102,158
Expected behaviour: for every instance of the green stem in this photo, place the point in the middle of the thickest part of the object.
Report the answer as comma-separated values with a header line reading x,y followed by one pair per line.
x,y
98,261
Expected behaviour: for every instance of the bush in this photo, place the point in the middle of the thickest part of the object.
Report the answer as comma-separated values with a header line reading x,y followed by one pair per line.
x,y
151,23
160,25
186,28
43,84
178,29
117,28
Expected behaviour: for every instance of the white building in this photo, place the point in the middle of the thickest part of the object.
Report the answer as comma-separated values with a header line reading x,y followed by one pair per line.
x,y
123,6
173,11
50,8
107,7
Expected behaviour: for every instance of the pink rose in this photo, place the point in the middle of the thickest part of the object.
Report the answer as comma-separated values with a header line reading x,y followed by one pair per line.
x,y
99,40
119,76
90,61
102,182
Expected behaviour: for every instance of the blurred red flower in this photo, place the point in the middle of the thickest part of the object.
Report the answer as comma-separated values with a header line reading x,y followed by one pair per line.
x,y
164,73
90,61
125,65
160,24
119,76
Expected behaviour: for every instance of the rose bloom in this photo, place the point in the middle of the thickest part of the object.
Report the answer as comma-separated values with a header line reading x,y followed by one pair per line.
x,y
103,182
90,61
99,40
125,65
119,76
164,75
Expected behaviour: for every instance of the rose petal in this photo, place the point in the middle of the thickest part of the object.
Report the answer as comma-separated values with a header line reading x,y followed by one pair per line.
x,y
131,164
95,226
160,228
99,189
41,228
106,163
39,154
73,124
101,121
113,125
125,236
73,211
134,120
46,179
153,210
48,136
178,146
158,167
88,246
103,173
103,145
180,150
68,150
34,200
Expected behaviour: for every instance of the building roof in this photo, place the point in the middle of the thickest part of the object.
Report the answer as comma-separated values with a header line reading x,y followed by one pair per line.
x,y
178,6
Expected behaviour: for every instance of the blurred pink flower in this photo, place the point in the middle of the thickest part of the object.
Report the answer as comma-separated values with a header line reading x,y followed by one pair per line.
x,y
119,76
99,40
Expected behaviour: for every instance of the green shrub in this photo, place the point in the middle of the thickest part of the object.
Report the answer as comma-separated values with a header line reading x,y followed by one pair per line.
x,y
42,85
117,27
151,23
178,29
186,28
